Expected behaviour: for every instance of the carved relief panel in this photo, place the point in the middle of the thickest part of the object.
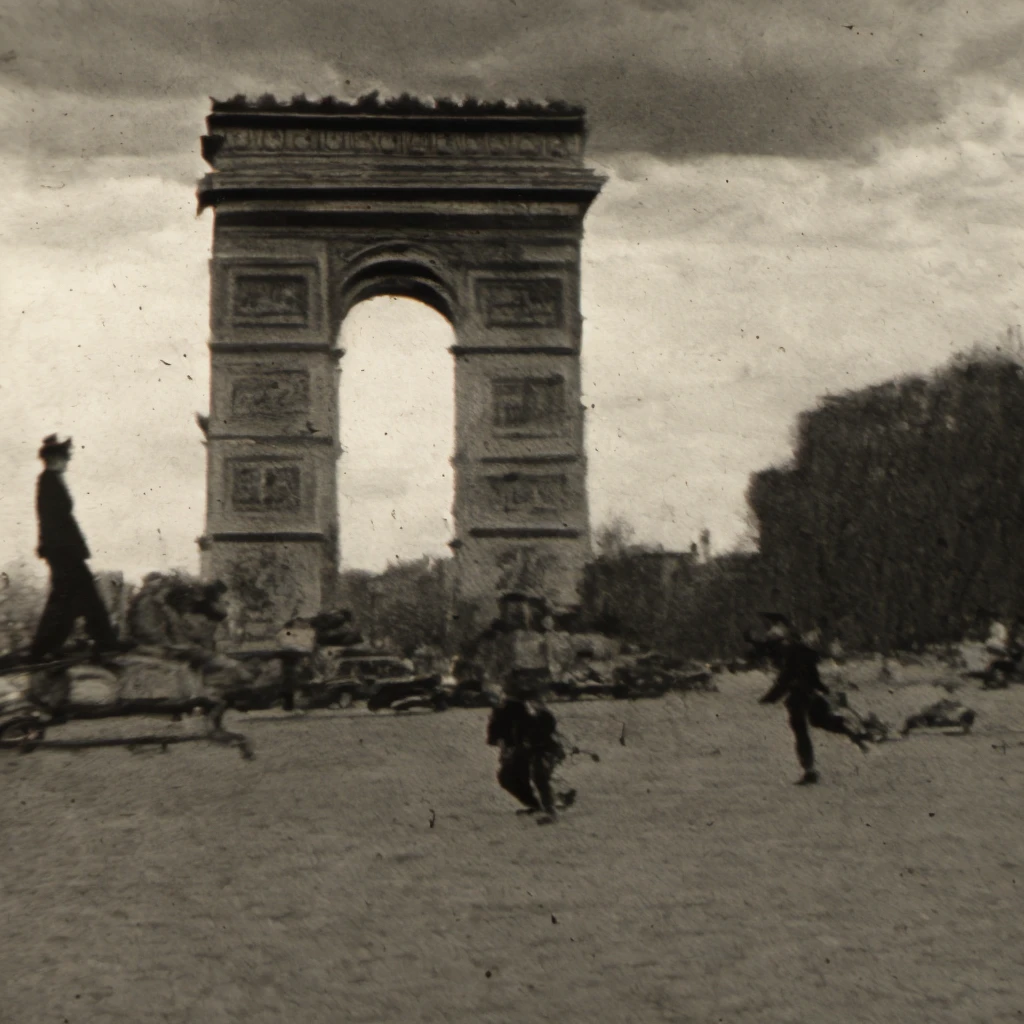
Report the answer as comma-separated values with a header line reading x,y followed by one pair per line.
x,y
520,303
263,485
271,485
271,488
273,299
289,394
529,494
271,394
532,404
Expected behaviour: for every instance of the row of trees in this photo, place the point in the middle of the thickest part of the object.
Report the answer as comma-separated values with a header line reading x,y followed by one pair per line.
x,y
22,597
898,523
682,603
901,519
405,607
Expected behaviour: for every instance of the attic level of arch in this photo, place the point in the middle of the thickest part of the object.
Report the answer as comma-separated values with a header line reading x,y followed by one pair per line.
x,y
475,155
407,126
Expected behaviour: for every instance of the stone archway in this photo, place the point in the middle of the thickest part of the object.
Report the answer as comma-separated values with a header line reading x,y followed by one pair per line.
x,y
476,211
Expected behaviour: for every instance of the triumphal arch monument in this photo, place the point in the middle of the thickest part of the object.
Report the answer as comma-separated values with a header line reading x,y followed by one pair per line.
x,y
474,209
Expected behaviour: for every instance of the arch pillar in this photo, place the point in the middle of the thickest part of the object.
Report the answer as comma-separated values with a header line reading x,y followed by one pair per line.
x,y
521,510
272,442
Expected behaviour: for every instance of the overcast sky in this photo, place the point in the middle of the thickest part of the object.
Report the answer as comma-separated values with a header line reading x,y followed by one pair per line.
x,y
804,196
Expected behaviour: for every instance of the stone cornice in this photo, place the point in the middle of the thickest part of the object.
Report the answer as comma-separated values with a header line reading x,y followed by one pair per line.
x,y
480,199
241,131
235,139
400,151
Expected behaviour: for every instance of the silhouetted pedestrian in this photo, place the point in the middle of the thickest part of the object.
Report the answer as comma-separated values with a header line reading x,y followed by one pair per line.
x,y
73,592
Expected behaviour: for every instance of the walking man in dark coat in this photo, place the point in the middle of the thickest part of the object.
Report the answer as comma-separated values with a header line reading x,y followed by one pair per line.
x,y
800,687
73,592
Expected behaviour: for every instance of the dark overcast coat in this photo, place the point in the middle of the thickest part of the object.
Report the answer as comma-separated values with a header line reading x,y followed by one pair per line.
x,y
59,535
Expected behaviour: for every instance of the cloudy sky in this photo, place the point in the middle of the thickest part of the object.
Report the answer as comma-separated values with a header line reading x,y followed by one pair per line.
x,y
804,196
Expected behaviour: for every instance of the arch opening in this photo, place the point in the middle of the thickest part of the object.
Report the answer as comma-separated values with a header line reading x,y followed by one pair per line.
x,y
398,278
397,425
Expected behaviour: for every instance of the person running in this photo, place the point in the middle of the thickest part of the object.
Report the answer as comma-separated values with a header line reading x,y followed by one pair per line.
x,y
73,592
800,687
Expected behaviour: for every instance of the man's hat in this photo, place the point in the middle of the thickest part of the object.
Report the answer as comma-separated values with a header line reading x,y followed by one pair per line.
x,y
51,446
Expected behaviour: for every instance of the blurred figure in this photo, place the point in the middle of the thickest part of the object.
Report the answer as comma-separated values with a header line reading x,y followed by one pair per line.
x,y
514,652
800,687
530,750
943,714
1004,653
998,641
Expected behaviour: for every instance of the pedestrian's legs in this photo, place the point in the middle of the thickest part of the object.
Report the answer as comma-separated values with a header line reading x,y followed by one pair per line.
x,y
58,618
804,747
288,673
541,768
821,716
514,776
90,605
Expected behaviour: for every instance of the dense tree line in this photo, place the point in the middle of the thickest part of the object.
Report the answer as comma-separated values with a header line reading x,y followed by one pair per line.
x,y
898,523
690,604
901,519
22,597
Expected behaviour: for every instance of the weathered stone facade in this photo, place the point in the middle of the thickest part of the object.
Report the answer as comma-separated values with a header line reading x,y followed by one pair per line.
x,y
478,214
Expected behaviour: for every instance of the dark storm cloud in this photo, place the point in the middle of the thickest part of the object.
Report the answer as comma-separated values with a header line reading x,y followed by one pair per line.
x,y
997,52
62,124
773,111
790,77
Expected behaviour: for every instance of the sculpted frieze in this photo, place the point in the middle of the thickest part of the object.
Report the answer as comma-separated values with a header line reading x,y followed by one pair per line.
x,y
279,300
265,487
533,302
505,145
527,402
270,394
